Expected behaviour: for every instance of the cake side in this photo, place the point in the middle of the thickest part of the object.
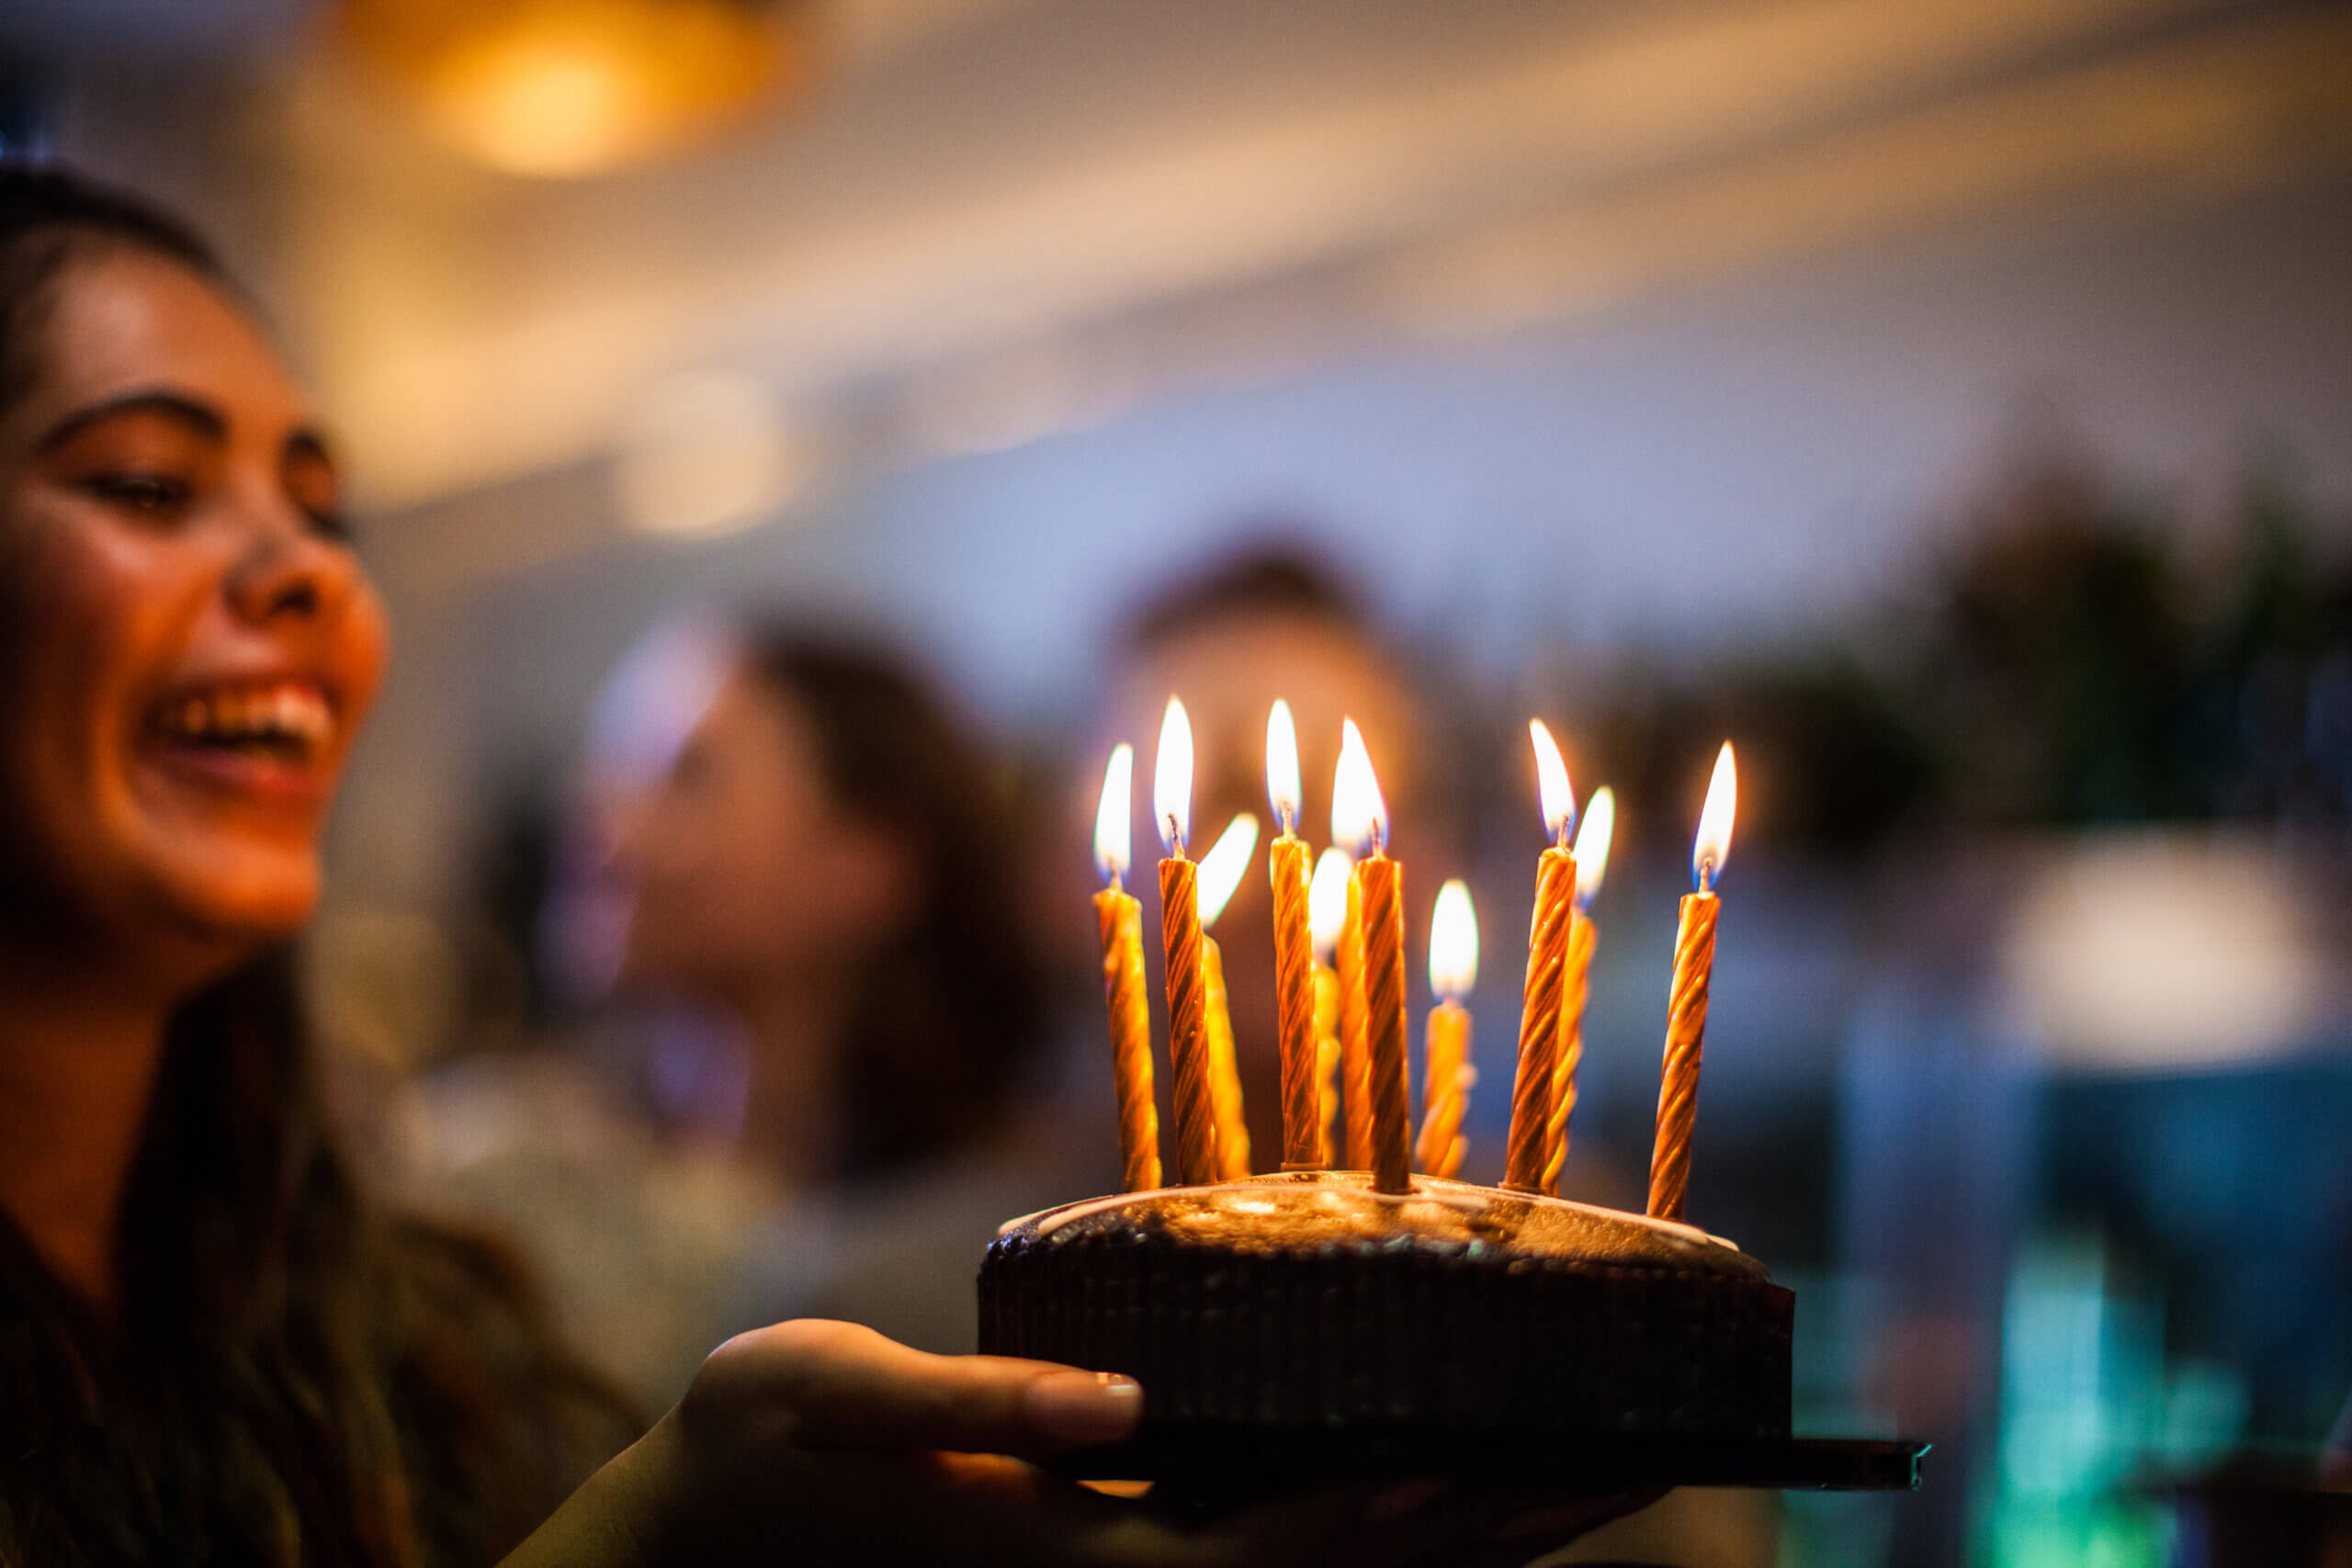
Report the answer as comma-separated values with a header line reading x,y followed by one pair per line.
x,y
1307,1300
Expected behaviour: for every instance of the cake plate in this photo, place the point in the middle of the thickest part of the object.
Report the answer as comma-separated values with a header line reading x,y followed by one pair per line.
x,y
1233,1459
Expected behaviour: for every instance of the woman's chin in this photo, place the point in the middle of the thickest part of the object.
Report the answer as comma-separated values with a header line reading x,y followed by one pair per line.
x,y
264,902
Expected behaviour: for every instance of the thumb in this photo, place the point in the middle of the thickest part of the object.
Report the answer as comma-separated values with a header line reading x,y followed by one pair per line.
x,y
843,1386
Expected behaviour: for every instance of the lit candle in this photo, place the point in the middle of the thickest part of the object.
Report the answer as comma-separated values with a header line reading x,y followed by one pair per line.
x,y
1448,1075
1221,871
1547,961
1294,950
1180,922
1355,1053
1380,887
1686,1024
1120,918
1326,916
1592,863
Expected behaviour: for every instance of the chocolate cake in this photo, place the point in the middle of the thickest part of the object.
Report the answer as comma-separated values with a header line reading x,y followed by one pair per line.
x,y
1307,1300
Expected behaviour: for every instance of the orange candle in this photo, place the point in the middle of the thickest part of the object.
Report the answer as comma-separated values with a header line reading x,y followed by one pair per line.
x,y
1179,921
1355,1053
1121,919
1327,1065
1327,914
1232,1131
1380,890
1221,871
1547,958
1447,1074
1383,880
1686,1026
1294,950
1592,863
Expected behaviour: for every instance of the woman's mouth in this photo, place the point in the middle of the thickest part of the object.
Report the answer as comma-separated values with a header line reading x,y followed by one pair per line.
x,y
273,737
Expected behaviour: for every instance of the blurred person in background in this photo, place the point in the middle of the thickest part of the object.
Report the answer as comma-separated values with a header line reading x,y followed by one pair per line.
x,y
215,1346
831,859
801,866
1269,621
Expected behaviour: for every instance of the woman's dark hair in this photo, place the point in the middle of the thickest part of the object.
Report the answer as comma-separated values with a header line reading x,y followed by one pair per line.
x,y
948,1019
48,217
290,1375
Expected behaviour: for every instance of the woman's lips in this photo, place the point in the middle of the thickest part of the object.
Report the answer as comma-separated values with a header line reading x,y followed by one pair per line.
x,y
272,738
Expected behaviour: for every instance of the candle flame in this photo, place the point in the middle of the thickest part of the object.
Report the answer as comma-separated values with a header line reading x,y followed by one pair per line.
x,y
1111,827
1327,901
1359,815
1713,845
1551,785
1171,778
1221,867
1281,766
1593,844
1453,942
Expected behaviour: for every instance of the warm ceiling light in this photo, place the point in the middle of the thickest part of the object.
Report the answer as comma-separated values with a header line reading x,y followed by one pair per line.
x,y
567,87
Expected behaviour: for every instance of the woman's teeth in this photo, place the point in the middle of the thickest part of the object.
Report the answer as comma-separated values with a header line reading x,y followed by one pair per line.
x,y
290,717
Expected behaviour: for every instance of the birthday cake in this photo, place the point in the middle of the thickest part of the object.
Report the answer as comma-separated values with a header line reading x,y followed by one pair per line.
x,y
1308,1301
1370,1304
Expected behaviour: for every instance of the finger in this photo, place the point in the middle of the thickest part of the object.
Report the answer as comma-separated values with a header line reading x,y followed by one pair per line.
x,y
848,1387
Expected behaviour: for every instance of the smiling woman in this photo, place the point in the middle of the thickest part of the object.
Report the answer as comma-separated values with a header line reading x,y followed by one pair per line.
x,y
209,1337
204,625
213,1347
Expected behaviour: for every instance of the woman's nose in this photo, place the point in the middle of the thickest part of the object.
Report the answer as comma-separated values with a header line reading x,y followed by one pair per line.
x,y
290,569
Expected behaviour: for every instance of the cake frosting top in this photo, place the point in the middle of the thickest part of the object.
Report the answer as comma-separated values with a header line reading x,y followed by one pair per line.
x,y
1311,1211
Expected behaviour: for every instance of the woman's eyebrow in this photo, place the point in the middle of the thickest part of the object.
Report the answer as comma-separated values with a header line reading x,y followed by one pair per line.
x,y
199,418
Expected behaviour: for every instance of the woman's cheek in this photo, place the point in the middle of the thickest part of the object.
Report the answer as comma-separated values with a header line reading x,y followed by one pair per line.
x,y
367,638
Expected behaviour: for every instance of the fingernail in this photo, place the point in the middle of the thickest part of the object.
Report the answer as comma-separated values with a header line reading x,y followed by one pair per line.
x,y
1085,1407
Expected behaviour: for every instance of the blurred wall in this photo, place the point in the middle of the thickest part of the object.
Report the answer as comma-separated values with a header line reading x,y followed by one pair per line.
x,y
1562,326
1733,462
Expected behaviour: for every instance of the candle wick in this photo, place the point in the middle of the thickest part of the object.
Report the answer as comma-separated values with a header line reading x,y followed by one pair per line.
x,y
1706,875
1176,835
1562,839
1285,819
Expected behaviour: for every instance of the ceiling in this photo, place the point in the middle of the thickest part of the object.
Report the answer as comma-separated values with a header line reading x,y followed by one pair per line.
x,y
994,219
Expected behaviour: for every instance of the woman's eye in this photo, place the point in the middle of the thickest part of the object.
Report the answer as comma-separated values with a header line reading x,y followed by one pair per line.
x,y
154,494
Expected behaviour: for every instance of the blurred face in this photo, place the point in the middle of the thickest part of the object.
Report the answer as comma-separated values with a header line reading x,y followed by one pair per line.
x,y
188,643
743,870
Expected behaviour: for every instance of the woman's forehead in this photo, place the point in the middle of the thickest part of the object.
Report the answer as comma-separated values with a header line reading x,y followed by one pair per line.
x,y
120,321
